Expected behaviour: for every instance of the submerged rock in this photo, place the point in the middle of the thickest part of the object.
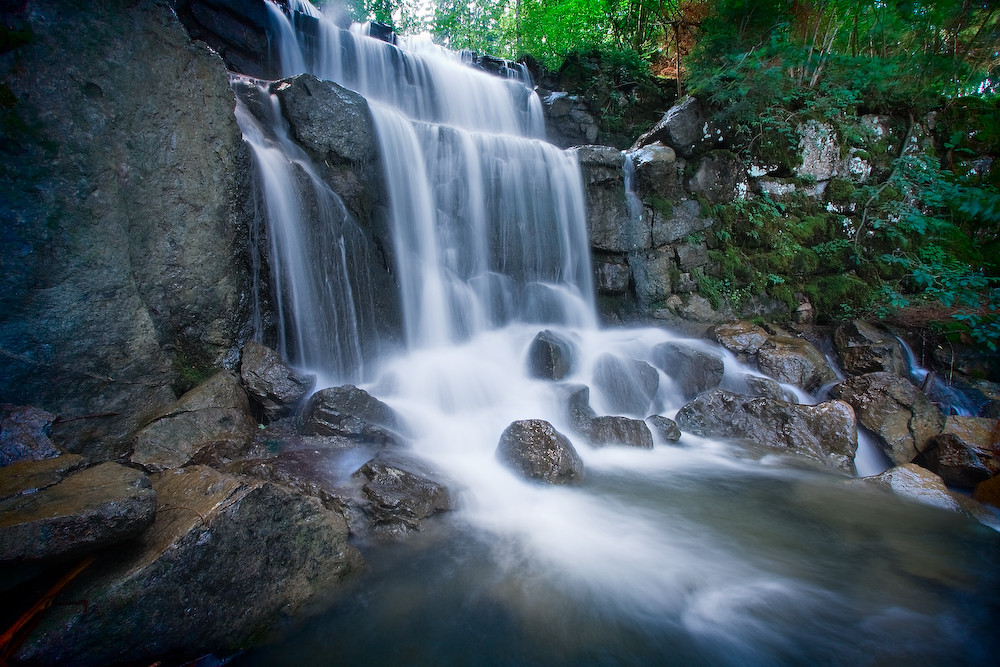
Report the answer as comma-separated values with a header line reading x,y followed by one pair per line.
x,y
352,413
227,558
272,383
903,419
550,356
80,513
826,432
402,492
210,423
693,370
534,449
628,385
619,431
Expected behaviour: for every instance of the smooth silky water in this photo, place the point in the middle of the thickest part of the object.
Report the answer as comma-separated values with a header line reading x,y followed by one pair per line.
x,y
697,552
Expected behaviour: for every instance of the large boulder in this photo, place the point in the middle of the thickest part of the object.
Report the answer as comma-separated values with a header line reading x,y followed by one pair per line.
x,y
684,128
628,385
353,413
683,219
227,558
692,370
917,483
965,453
900,415
210,423
83,512
862,348
126,213
402,492
655,172
24,434
826,432
794,361
550,356
272,383
534,449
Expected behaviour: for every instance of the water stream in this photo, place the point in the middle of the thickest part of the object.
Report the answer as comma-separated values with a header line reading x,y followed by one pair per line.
x,y
698,552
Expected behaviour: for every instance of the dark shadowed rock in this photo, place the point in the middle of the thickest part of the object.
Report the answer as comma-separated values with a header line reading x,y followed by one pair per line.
x,y
270,382
611,277
402,492
328,120
966,453
610,226
682,128
862,348
535,450
826,432
693,370
227,558
353,413
740,337
619,431
550,356
578,407
24,434
665,427
210,423
85,511
900,415
628,385
126,209
794,361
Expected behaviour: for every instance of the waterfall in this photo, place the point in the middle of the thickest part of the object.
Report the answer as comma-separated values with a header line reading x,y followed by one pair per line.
x,y
697,552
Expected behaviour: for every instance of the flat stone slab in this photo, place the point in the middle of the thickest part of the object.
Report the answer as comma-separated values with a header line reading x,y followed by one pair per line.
x,y
86,511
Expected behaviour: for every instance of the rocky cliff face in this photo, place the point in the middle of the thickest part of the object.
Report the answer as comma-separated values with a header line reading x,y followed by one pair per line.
x,y
125,212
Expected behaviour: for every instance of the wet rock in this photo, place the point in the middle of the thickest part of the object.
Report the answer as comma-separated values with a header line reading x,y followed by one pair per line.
x,y
765,388
550,356
681,128
329,120
226,560
628,385
402,492
966,453
692,370
652,273
862,348
24,434
740,337
32,476
83,512
619,431
610,226
683,219
794,361
534,449
210,423
656,171
270,382
826,432
611,277
920,484
578,407
721,177
900,415
352,413
666,428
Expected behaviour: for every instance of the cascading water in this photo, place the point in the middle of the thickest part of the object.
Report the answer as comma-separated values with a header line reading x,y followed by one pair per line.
x,y
691,554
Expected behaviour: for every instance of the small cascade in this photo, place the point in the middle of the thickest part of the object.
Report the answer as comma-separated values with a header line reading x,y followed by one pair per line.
x,y
951,399
322,287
